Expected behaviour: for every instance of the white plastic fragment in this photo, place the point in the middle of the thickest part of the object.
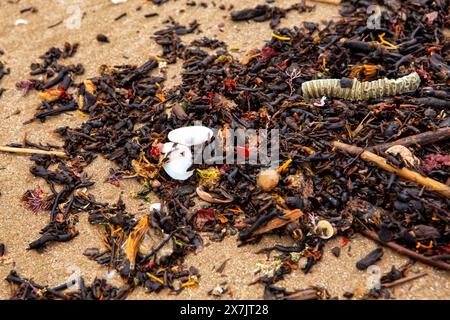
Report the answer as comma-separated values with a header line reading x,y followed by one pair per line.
x,y
155,206
21,22
191,136
118,1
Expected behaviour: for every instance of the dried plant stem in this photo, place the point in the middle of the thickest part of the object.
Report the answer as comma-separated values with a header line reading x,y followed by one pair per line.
x,y
406,252
403,172
276,223
309,294
404,280
33,151
329,1
421,138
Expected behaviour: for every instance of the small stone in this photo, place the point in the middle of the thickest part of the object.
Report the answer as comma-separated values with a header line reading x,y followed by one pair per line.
x,y
268,179
294,202
156,184
336,251
348,294
102,38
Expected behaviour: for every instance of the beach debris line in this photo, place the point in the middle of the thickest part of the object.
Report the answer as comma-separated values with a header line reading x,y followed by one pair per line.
x,y
337,175
99,289
3,71
264,12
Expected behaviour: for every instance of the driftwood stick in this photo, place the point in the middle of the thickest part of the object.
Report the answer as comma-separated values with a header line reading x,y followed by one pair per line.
x,y
308,294
403,172
329,1
33,151
276,223
404,251
421,138
404,280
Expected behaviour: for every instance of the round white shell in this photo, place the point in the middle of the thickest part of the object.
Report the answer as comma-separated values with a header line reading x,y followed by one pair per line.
x,y
180,159
190,136
324,224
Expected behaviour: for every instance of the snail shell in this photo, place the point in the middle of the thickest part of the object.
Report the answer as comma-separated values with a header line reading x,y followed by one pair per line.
x,y
324,229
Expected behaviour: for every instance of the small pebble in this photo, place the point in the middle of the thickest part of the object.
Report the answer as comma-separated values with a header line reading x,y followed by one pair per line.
x,y
336,251
348,294
102,38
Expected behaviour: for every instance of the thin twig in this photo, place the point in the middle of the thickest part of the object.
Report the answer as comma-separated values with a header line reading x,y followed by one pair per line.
x,y
405,173
404,280
404,251
329,1
276,222
33,151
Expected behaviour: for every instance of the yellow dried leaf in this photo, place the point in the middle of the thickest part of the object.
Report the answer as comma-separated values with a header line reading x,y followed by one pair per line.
x,y
89,85
134,240
161,97
50,95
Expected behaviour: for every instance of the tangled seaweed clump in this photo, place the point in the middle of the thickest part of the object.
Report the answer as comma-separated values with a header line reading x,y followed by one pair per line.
x,y
322,188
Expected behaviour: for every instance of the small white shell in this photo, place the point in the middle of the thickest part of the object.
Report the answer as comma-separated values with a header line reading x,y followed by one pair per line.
x,y
209,198
20,22
155,206
324,229
405,153
180,159
190,136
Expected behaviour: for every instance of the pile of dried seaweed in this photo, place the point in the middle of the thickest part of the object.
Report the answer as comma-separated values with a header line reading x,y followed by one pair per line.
x,y
320,186
262,13
3,71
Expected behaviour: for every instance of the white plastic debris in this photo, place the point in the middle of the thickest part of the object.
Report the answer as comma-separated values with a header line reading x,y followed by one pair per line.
x,y
118,1
21,22
155,206
109,275
162,64
179,160
190,136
